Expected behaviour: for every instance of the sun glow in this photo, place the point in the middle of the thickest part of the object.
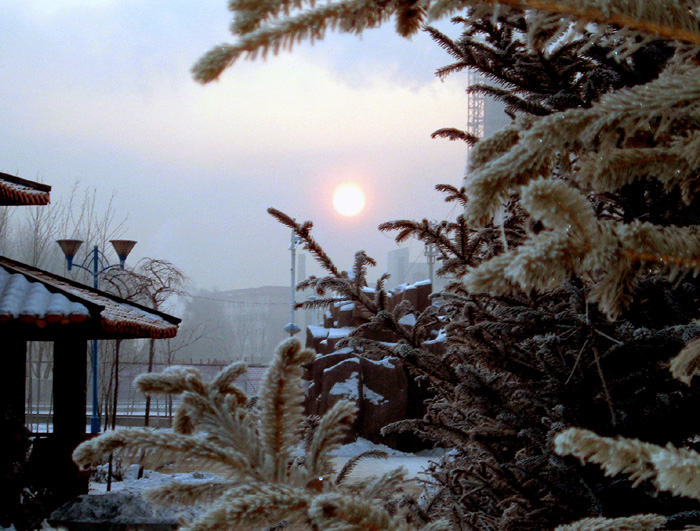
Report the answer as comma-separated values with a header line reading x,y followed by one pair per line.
x,y
348,200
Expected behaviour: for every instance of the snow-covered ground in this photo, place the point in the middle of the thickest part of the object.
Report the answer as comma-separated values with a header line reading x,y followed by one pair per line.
x,y
415,464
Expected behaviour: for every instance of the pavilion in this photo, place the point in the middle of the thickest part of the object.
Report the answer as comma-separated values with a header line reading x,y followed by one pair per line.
x,y
36,305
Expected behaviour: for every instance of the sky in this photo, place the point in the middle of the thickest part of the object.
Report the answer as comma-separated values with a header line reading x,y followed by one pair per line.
x,y
100,92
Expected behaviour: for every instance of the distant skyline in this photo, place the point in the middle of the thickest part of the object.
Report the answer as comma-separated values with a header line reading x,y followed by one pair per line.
x,y
99,91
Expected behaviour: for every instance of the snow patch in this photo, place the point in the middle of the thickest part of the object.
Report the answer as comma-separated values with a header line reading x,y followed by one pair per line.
x,y
441,337
335,333
389,363
348,388
349,360
363,445
408,320
373,397
317,332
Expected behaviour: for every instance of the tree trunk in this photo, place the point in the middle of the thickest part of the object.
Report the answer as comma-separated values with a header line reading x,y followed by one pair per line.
x,y
151,357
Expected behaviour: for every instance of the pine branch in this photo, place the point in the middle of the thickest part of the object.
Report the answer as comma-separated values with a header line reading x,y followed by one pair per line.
x,y
280,404
250,448
351,463
455,134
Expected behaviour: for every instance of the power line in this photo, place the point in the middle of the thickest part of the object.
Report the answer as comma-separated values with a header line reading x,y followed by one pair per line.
x,y
242,303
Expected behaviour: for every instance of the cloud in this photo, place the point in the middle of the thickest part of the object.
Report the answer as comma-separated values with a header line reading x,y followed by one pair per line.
x,y
102,91
259,110
51,8
120,78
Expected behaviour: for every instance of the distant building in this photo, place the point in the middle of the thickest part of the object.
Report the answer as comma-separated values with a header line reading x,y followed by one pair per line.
x,y
403,271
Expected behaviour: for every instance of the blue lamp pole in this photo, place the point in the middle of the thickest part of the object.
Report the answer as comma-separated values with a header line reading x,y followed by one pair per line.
x,y
99,266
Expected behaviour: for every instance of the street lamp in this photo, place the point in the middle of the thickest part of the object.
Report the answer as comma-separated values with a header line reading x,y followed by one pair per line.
x,y
99,266
291,327
431,254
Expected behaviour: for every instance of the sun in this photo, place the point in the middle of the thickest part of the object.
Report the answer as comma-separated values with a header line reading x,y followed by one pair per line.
x,y
348,200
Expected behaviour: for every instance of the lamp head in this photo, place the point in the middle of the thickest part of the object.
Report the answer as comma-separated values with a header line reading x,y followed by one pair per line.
x,y
69,248
122,248
292,328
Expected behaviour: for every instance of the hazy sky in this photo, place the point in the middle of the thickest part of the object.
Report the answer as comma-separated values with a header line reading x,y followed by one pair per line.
x,y
100,91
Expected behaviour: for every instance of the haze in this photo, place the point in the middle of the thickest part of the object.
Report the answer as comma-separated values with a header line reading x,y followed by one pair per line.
x,y
100,92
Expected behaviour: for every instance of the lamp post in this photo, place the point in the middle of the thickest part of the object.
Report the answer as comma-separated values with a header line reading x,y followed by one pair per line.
x,y
291,327
431,254
99,266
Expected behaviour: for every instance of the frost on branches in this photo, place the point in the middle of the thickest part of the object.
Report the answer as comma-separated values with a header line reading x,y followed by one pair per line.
x,y
250,446
575,259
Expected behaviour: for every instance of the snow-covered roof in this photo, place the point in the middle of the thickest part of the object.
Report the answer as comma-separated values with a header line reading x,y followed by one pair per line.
x,y
15,191
45,303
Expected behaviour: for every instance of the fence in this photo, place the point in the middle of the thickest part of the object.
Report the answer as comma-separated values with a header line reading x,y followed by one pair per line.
x,y
131,404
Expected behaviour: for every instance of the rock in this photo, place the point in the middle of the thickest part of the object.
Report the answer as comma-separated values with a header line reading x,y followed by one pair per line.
x,y
113,511
383,391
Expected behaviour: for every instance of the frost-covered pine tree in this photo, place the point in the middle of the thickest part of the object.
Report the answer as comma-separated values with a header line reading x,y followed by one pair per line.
x,y
569,308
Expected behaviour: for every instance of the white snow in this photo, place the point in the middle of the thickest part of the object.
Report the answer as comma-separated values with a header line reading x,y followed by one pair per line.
x,y
372,396
389,363
20,297
363,445
349,360
348,388
318,332
408,320
335,333
442,336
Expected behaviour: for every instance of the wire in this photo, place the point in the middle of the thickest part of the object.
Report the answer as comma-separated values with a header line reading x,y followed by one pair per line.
x,y
242,303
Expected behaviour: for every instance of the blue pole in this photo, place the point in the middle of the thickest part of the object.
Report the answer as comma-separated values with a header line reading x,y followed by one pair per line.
x,y
95,419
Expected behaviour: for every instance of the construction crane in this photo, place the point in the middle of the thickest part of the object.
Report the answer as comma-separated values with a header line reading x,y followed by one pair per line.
x,y
475,112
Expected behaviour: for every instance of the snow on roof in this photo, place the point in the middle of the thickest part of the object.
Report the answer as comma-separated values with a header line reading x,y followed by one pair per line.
x,y
15,191
31,295
32,302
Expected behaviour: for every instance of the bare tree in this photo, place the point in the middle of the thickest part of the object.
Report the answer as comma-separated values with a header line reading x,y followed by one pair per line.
x,y
152,282
5,227
31,239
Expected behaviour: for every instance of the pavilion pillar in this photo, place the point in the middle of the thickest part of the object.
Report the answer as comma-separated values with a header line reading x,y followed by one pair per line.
x,y
62,478
69,389
13,376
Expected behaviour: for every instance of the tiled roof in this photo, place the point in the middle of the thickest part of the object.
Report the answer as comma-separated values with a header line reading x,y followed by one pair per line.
x,y
30,295
32,302
16,191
